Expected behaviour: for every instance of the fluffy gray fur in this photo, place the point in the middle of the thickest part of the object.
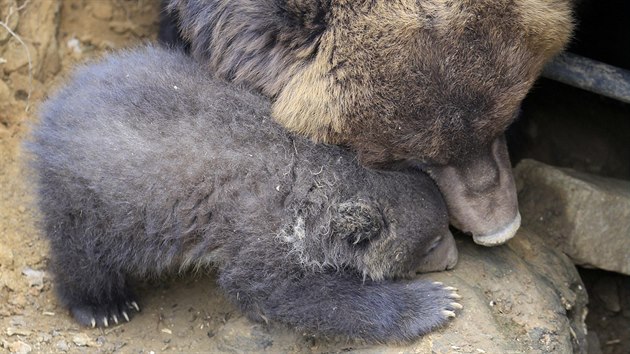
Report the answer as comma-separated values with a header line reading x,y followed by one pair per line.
x,y
147,165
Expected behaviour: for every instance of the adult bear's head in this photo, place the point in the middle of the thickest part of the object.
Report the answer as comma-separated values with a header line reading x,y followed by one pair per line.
x,y
427,82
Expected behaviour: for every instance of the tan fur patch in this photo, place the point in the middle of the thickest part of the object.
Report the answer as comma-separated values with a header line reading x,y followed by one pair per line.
x,y
313,103
548,24
309,103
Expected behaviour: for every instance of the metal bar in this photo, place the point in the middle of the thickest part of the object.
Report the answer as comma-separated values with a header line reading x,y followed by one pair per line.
x,y
590,75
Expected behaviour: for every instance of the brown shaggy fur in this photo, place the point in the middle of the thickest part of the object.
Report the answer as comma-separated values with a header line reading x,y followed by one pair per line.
x,y
420,80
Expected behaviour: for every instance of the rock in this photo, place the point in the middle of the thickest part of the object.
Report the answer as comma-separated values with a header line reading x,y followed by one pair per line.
x,y
522,297
82,340
585,216
62,345
74,45
18,321
17,55
20,347
44,338
11,331
34,277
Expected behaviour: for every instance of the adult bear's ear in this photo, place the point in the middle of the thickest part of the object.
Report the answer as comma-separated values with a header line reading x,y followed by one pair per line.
x,y
356,222
255,42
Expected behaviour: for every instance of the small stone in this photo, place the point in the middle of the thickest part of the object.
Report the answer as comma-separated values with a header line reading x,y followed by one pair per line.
x,y
75,46
83,340
44,337
18,321
11,331
62,345
20,347
16,56
35,277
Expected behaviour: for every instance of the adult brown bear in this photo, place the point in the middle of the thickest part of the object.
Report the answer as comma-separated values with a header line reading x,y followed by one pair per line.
x,y
433,83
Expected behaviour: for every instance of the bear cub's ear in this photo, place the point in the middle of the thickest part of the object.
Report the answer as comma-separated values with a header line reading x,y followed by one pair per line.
x,y
357,222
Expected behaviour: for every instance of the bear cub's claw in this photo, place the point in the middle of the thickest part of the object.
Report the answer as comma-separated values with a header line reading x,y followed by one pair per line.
x,y
106,314
423,307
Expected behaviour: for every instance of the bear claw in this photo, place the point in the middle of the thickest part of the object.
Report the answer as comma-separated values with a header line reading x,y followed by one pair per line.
x,y
104,315
133,305
447,313
456,305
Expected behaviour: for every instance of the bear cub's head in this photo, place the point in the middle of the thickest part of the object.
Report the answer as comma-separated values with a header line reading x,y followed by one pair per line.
x,y
380,229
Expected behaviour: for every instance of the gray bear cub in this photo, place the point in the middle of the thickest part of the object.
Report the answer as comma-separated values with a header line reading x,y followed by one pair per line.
x,y
148,165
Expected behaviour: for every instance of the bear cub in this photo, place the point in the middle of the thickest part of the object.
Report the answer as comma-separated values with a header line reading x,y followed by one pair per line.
x,y
148,165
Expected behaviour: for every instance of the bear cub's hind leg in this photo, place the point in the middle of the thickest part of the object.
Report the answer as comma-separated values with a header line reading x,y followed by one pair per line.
x,y
96,296
88,268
